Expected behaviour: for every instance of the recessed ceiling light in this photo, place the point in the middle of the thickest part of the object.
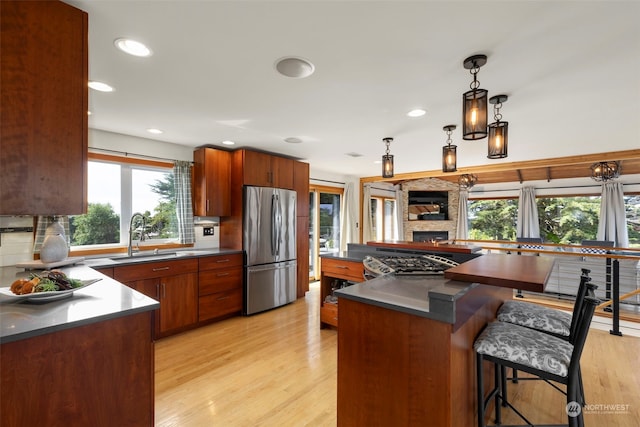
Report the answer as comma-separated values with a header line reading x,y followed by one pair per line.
x,y
416,113
99,86
88,113
294,67
293,140
132,47
154,131
354,154
227,142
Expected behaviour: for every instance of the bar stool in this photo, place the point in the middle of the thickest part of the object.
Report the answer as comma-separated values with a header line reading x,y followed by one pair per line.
x,y
545,356
548,320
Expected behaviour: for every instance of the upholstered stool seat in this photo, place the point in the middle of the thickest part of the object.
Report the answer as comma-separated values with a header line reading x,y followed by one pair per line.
x,y
537,317
526,347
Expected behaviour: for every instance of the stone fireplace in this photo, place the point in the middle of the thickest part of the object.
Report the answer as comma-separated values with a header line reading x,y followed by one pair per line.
x,y
440,227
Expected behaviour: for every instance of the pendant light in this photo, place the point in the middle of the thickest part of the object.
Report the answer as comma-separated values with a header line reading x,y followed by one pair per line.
x,y
387,160
498,131
474,102
467,180
605,171
449,158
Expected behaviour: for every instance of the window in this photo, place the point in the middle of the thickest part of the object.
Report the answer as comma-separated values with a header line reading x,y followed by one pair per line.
x,y
384,218
118,188
563,220
493,219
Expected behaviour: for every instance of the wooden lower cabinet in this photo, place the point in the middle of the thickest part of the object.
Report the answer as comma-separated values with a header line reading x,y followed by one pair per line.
x,y
332,269
174,284
100,374
219,286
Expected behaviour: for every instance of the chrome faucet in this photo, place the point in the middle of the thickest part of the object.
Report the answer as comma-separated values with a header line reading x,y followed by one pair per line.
x,y
141,238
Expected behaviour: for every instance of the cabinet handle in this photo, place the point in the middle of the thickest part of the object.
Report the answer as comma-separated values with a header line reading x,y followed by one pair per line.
x,y
160,268
223,260
157,291
164,290
221,298
207,208
222,274
342,266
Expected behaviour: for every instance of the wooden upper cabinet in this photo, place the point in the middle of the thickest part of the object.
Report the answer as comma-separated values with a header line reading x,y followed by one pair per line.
x,y
211,182
301,185
44,103
266,170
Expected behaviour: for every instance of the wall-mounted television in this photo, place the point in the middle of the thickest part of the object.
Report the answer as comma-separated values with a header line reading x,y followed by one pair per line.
x,y
428,205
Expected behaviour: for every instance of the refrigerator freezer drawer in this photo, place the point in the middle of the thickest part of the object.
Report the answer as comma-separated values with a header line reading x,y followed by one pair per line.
x,y
269,286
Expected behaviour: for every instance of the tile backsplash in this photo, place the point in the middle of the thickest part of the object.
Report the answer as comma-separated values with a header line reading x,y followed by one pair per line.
x,y
16,247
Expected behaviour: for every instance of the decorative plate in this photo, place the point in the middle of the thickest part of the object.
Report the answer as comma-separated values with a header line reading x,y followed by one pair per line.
x,y
47,296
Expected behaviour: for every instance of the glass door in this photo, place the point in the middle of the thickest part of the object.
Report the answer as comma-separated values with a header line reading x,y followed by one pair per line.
x,y
325,204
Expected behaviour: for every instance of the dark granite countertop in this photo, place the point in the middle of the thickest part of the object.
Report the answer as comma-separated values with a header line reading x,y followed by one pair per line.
x,y
433,297
148,256
104,300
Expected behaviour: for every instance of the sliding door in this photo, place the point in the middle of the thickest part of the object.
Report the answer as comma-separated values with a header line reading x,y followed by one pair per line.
x,y
325,204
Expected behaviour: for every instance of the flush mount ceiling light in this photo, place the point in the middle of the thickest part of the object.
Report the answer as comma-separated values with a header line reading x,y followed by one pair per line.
x,y
293,140
449,156
227,142
498,131
605,171
474,102
132,47
294,67
101,87
387,160
467,180
154,131
416,113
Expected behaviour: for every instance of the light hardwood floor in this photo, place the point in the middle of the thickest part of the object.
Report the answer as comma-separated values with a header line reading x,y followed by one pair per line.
x,y
279,369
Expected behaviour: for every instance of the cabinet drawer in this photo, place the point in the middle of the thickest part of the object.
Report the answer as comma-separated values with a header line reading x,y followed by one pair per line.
x,y
219,304
130,273
350,270
219,280
220,261
329,314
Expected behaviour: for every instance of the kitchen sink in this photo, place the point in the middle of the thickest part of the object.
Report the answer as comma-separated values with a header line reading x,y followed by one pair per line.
x,y
142,256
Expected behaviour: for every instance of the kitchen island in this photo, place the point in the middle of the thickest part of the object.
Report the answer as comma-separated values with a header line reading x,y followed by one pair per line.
x,y
405,349
84,360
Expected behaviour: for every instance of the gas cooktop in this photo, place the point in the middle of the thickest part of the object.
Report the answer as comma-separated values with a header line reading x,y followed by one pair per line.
x,y
407,265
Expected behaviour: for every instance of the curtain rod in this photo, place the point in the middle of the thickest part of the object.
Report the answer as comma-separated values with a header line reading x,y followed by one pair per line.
x,y
326,180
548,188
133,154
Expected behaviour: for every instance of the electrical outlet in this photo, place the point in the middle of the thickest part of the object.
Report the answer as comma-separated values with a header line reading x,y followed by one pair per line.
x,y
207,231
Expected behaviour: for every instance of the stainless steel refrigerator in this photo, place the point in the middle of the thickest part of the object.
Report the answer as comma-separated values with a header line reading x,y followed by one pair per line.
x,y
269,241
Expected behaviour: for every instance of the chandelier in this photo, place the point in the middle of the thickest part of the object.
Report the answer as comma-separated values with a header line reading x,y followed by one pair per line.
x,y
605,171
467,180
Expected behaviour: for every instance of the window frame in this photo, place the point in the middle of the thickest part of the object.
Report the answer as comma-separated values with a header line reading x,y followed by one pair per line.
x,y
126,209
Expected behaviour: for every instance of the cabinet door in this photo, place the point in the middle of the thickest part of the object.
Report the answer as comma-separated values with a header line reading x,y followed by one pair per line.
x,y
256,169
302,251
282,172
301,186
44,107
178,301
211,182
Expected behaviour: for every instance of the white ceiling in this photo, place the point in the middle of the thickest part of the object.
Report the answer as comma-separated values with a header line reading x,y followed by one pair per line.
x,y
570,69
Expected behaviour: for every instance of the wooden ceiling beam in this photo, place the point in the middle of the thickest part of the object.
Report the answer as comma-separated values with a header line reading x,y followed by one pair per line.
x,y
510,166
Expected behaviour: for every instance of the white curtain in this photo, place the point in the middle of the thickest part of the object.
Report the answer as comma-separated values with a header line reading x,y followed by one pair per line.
x,y
184,211
528,224
367,226
399,213
613,221
348,217
462,226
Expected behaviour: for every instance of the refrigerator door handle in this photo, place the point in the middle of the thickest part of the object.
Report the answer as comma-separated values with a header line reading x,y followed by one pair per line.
x,y
278,224
274,231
